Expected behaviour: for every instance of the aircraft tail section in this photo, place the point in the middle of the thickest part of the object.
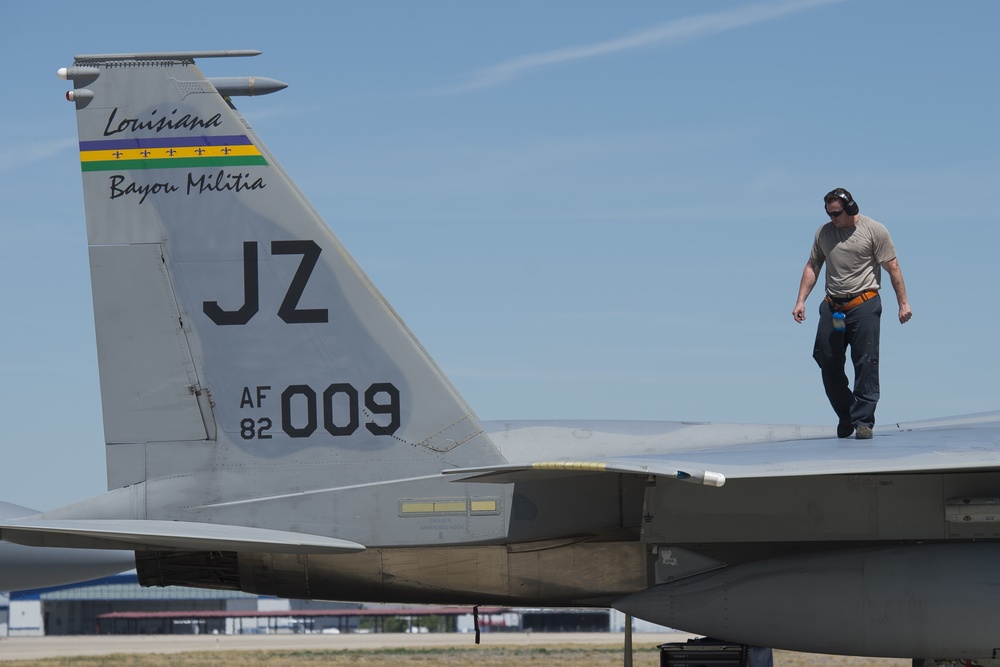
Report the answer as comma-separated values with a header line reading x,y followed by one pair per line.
x,y
243,353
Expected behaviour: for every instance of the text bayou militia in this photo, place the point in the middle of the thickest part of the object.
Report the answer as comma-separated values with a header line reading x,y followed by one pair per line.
x,y
222,181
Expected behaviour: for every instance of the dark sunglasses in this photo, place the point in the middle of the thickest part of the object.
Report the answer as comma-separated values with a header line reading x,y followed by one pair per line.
x,y
835,214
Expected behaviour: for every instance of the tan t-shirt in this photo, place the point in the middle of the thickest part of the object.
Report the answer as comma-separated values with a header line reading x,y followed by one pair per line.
x,y
853,256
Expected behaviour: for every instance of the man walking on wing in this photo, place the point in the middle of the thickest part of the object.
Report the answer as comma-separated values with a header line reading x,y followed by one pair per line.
x,y
855,249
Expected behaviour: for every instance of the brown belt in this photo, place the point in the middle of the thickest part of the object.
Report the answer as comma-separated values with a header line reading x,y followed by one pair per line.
x,y
856,301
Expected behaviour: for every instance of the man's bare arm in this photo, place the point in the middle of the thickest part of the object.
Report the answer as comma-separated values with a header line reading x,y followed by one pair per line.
x,y
896,278
809,276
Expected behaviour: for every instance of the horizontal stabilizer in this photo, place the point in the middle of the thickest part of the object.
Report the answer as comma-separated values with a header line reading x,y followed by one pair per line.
x,y
510,473
150,535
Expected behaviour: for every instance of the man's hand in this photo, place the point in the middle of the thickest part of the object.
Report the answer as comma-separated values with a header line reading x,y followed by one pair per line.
x,y
799,312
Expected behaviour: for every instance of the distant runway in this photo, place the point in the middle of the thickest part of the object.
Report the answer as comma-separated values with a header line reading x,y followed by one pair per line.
x,y
30,648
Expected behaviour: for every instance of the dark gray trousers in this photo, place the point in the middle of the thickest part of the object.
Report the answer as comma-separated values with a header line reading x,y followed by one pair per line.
x,y
830,352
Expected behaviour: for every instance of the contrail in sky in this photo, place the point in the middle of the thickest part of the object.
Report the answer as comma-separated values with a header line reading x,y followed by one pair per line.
x,y
672,32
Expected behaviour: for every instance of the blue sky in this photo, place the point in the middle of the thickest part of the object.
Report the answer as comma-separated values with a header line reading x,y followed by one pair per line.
x,y
582,209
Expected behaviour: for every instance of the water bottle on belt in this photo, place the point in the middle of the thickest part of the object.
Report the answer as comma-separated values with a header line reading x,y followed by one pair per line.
x,y
838,322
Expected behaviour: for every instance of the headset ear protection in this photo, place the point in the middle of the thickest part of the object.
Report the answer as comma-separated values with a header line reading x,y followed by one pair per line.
x,y
850,206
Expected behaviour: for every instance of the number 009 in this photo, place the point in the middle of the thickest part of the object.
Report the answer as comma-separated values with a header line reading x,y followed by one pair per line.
x,y
340,405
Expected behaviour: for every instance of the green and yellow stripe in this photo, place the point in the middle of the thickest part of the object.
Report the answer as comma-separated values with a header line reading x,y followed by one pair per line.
x,y
169,153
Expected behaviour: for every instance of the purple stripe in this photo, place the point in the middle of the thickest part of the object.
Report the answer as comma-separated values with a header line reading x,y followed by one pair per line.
x,y
165,142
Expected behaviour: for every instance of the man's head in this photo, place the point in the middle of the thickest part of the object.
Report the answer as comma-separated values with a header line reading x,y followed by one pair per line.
x,y
841,208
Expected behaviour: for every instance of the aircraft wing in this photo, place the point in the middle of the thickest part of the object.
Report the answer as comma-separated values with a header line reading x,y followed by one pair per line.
x,y
143,534
709,454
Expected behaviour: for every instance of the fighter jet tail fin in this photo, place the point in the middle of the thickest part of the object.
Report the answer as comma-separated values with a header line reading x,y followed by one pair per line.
x,y
239,343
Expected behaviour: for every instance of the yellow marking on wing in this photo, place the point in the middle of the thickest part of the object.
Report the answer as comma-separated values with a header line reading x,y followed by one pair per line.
x,y
589,466
484,506
413,508
452,506
433,507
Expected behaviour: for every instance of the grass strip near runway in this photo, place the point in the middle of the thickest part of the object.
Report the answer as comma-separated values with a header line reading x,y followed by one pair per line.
x,y
555,655
481,656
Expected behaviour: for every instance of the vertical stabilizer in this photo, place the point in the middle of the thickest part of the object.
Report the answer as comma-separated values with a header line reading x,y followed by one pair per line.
x,y
242,350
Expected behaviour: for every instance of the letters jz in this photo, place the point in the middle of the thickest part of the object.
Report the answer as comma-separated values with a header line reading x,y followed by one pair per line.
x,y
289,311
